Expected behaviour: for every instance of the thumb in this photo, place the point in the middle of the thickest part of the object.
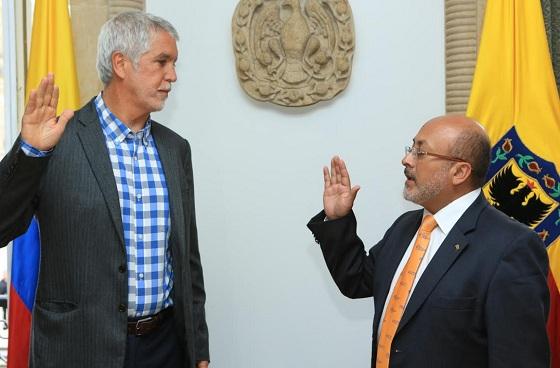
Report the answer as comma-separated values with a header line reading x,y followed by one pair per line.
x,y
354,191
64,118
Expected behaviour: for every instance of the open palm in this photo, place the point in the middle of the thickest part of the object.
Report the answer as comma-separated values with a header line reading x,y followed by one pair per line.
x,y
339,195
39,126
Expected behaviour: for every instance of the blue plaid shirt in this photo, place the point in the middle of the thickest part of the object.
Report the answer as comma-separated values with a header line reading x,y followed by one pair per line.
x,y
145,214
31,151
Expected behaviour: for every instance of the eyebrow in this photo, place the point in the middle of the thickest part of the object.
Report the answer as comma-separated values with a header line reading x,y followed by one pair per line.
x,y
164,55
417,143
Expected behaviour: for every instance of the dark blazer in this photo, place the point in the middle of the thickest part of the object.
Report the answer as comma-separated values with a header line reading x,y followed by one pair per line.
x,y
482,301
80,314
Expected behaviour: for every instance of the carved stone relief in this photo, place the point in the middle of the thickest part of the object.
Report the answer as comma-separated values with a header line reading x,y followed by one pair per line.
x,y
293,52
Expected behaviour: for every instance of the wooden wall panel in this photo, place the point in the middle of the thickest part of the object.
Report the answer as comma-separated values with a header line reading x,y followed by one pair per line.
x,y
463,23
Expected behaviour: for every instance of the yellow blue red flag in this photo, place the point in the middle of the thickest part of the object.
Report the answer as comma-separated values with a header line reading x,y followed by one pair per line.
x,y
51,51
514,96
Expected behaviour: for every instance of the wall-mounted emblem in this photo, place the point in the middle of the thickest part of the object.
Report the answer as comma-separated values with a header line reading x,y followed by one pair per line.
x,y
293,52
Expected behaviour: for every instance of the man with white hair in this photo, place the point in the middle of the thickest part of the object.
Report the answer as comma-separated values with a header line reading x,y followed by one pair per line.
x,y
120,281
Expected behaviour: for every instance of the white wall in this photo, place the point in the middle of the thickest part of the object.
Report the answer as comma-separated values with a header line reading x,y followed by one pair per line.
x,y
271,302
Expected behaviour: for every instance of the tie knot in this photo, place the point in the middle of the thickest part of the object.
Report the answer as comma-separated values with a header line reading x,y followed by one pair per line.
x,y
428,223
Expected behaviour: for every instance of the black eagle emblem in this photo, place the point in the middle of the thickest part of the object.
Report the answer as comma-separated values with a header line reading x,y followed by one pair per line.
x,y
515,197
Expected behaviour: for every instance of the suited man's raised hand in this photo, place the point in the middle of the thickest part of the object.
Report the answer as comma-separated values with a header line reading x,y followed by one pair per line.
x,y
339,195
39,126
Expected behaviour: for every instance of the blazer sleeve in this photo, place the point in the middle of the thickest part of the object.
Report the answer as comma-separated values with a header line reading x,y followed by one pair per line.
x,y
351,267
20,179
199,295
518,303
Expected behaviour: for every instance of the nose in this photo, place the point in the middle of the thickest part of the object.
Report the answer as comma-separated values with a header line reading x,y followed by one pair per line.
x,y
407,160
171,75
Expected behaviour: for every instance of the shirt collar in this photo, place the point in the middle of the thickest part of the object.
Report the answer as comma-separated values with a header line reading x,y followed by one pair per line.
x,y
115,129
448,216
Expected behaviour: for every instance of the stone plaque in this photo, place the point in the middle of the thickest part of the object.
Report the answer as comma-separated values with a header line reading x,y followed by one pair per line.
x,y
293,52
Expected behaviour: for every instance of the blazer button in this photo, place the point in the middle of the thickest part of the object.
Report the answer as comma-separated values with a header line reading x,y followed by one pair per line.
x,y
122,308
122,268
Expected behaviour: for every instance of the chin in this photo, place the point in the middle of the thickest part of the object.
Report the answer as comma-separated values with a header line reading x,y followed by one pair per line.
x,y
411,196
406,194
158,106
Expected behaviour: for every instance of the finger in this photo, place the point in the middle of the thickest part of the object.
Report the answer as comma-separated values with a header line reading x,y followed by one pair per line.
x,y
333,170
338,170
63,119
31,102
345,177
326,177
41,92
54,99
354,192
49,90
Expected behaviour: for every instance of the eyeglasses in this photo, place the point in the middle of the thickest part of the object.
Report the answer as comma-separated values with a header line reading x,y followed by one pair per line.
x,y
416,153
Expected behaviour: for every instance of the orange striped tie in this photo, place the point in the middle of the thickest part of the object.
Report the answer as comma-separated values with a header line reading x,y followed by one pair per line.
x,y
395,308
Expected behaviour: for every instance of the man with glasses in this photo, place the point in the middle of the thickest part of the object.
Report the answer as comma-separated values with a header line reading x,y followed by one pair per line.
x,y
455,284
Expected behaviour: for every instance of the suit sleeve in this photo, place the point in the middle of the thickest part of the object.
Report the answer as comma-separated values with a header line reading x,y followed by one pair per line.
x,y
199,295
351,267
517,305
20,179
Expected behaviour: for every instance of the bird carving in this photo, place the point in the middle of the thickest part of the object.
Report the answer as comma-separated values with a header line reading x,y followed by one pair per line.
x,y
291,44
322,42
294,37
268,50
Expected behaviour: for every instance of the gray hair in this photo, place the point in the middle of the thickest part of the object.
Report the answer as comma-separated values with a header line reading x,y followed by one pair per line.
x,y
474,146
130,33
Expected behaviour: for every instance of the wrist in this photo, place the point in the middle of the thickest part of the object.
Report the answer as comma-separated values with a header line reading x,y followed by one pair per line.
x,y
32,151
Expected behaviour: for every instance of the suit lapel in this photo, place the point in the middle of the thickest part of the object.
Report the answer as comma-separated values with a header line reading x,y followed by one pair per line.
x,y
93,142
397,252
172,169
452,247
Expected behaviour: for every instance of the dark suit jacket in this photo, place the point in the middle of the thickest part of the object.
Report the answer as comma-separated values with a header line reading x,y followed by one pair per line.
x,y
481,302
80,318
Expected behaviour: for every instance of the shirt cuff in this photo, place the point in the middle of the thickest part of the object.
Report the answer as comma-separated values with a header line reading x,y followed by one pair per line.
x,y
31,151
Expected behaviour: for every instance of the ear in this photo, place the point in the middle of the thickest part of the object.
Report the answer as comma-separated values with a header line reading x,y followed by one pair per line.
x,y
119,62
460,173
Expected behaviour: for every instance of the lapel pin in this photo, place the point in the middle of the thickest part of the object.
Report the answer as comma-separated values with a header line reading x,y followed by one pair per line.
x,y
457,247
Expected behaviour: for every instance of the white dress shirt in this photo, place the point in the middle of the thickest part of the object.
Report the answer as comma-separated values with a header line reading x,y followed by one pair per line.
x,y
446,218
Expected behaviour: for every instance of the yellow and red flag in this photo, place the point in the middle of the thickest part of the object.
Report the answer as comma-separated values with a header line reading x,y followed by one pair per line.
x,y
51,51
514,96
